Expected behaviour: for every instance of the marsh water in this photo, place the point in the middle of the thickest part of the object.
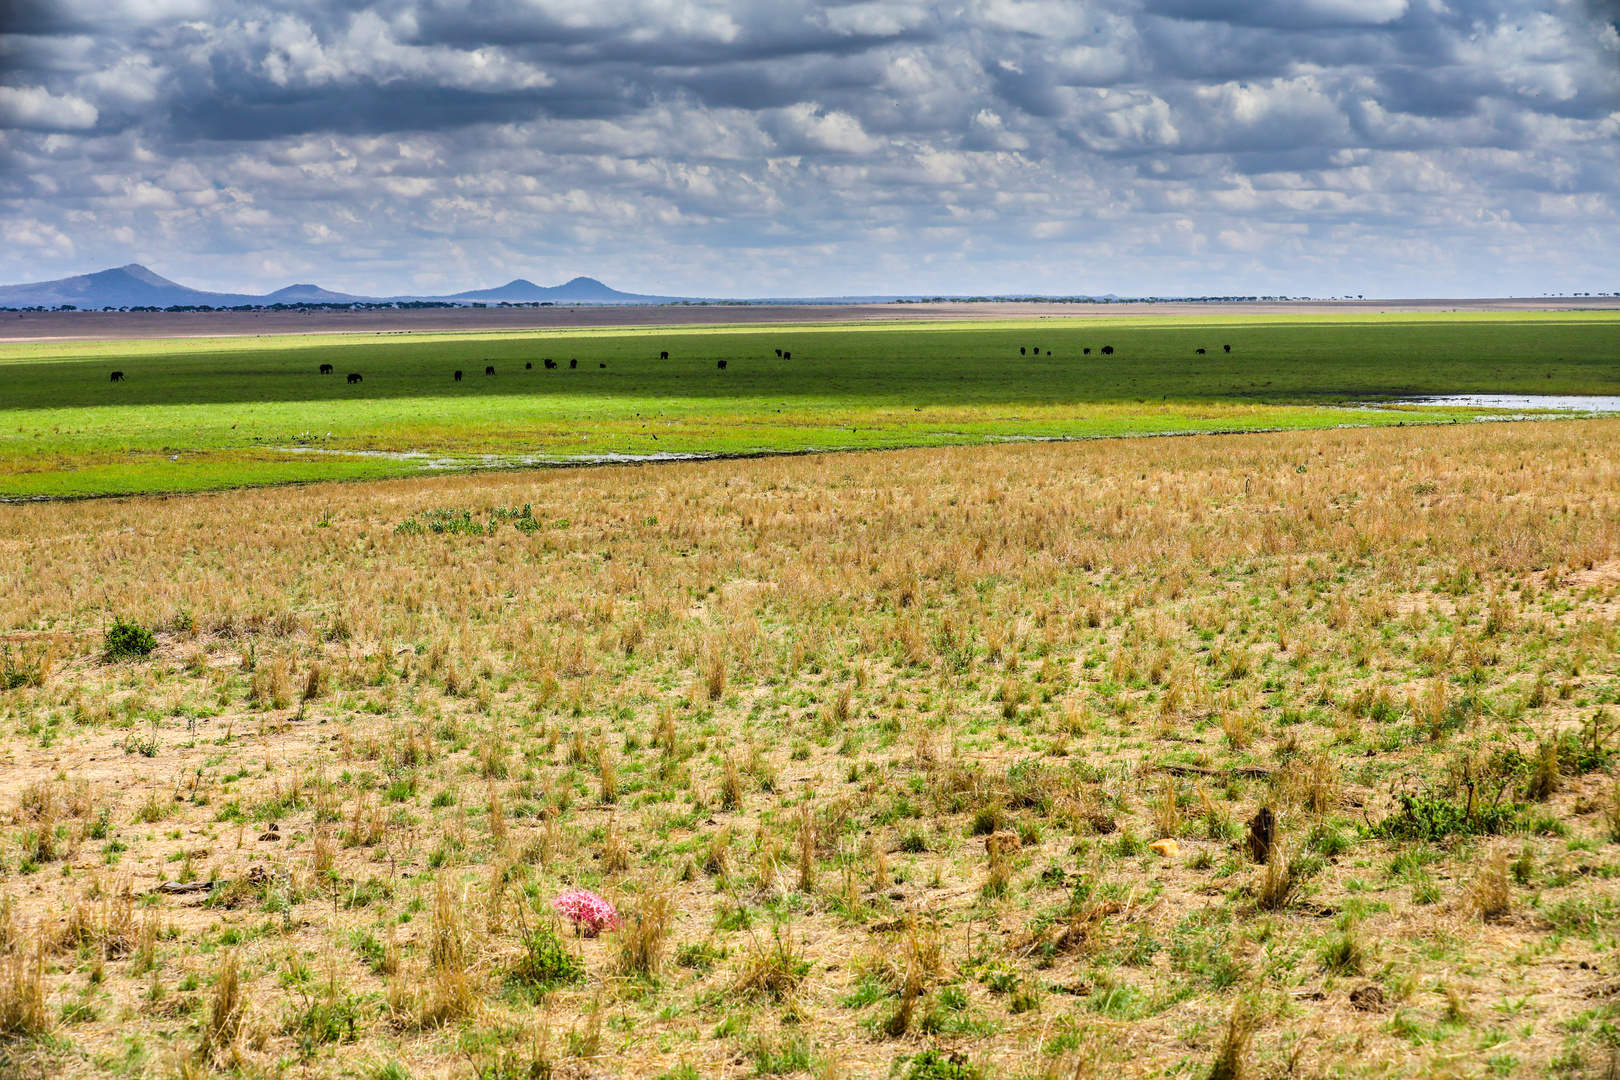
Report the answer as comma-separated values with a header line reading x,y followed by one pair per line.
x,y
1551,402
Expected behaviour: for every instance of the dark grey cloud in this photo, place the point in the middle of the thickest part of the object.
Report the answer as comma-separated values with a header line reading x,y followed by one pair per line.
x,y
747,146
1285,14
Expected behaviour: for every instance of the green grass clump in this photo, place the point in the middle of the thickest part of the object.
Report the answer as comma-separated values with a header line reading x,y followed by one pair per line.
x,y
125,641
1429,817
546,962
935,1065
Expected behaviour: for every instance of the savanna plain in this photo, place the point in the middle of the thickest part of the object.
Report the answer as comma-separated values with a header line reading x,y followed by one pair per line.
x,y
1246,755
191,414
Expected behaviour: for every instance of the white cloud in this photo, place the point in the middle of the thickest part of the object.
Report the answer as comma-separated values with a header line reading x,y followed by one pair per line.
x,y
37,109
795,146
807,125
40,238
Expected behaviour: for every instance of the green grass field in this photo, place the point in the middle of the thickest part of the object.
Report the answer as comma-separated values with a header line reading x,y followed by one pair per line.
x,y
210,413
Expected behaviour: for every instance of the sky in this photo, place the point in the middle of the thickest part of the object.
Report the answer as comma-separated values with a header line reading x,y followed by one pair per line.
x,y
748,148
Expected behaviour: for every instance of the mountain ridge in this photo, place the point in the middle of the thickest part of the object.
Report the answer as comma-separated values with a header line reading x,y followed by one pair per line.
x,y
134,285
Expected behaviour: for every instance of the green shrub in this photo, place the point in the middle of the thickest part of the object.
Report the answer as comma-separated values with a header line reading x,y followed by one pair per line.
x,y
546,962
333,1017
1432,818
125,640
933,1065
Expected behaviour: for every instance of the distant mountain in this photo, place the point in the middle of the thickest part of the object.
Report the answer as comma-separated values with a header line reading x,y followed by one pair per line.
x,y
311,294
136,286
128,286
581,290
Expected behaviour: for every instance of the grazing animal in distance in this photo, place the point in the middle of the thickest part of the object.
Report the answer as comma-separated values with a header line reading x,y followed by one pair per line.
x,y
664,355
326,369
354,377
601,365
1200,352
1086,352
787,356
573,364
1021,350
118,376
722,365
550,363
778,351
528,366
489,370
458,376
1228,348
1108,350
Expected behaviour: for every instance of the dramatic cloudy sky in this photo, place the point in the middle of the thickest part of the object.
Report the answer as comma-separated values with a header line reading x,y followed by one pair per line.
x,y
746,147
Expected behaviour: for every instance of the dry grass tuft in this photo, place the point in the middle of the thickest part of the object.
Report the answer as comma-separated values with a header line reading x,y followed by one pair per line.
x,y
1276,885
1232,1054
1491,894
772,969
643,939
731,786
615,853
227,1008
23,1013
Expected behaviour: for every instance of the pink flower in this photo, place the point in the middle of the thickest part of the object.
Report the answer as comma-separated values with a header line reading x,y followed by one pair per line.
x,y
589,913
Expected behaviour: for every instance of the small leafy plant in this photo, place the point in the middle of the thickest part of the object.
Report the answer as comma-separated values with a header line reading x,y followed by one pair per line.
x,y
546,962
125,641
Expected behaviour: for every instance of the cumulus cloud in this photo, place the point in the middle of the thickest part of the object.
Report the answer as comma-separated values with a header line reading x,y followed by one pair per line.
x,y
793,146
35,108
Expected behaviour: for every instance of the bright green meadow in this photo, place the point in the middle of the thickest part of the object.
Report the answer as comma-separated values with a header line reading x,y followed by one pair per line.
x,y
204,413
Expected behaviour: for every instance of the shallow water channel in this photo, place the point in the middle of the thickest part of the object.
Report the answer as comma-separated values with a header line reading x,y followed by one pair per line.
x,y
1536,402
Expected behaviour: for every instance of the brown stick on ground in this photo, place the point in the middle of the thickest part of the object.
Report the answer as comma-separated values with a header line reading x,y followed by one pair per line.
x,y
1252,772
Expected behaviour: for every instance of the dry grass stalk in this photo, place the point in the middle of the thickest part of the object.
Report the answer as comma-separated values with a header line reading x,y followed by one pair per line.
x,y
608,773
643,939
615,852
1232,1055
1167,809
227,1007
1491,894
323,853
772,969
717,853
998,874
454,986
714,674
23,1012
807,850
731,786
1276,885
923,956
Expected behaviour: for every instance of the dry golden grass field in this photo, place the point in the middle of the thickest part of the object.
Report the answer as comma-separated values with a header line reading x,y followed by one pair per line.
x,y
870,751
